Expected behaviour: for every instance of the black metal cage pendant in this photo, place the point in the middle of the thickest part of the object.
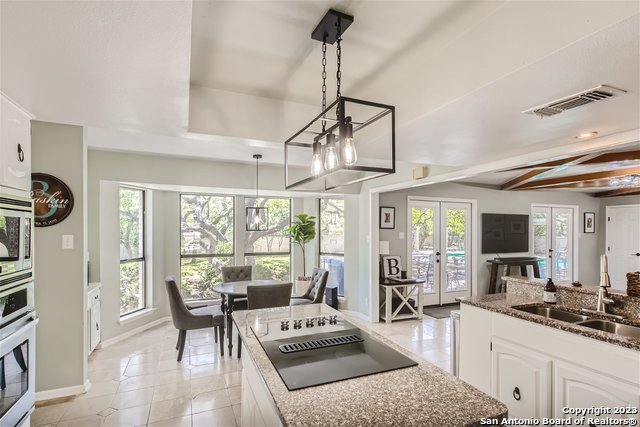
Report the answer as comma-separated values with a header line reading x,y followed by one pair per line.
x,y
257,217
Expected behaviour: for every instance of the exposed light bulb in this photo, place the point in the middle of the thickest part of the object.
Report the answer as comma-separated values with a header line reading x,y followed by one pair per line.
x,y
317,166
331,155
349,154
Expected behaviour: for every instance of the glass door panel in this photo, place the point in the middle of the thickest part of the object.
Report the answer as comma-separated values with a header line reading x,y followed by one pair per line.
x,y
541,239
424,241
562,247
456,244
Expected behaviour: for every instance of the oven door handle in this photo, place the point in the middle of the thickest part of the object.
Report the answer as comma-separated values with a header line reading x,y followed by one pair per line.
x,y
31,323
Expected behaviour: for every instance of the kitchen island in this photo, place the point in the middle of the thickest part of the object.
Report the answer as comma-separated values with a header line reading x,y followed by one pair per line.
x,y
541,359
422,395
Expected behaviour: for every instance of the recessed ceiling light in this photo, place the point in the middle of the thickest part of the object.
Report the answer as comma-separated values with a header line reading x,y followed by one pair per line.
x,y
585,135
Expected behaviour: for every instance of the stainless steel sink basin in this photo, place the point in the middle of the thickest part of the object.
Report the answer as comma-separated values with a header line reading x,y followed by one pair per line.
x,y
612,327
553,313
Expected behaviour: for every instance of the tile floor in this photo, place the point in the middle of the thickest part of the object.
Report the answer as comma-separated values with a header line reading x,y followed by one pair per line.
x,y
138,382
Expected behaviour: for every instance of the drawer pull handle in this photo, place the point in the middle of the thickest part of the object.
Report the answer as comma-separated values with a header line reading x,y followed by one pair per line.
x,y
20,153
97,327
516,393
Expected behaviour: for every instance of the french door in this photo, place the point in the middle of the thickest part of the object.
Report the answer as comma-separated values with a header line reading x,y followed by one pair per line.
x,y
439,249
552,229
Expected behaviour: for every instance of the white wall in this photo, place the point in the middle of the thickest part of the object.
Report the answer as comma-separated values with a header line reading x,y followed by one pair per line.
x,y
492,200
60,286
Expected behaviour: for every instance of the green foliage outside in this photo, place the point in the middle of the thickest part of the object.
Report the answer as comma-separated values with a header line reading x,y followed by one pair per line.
x,y
131,279
131,247
271,267
303,231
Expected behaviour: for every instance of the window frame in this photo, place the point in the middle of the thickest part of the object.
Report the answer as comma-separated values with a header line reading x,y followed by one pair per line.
x,y
143,259
231,256
320,252
259,254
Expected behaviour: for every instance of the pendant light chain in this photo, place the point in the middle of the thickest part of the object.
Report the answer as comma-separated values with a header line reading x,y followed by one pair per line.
x,y
257,181
324,81
338,62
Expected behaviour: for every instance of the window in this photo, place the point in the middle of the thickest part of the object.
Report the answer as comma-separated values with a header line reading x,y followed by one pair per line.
x,y
269,252
332,241
132,250
206,242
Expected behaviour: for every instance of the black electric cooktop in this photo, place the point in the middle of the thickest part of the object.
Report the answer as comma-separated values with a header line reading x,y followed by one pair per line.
x,y
324,357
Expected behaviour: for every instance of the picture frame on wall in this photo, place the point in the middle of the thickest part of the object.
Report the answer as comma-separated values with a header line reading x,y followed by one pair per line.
x,y
387,217
589,222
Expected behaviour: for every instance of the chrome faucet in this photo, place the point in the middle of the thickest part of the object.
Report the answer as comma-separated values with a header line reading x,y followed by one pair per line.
x,y
604,299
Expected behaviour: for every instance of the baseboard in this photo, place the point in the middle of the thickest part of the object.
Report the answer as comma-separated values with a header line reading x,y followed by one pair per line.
x,y
357,315
63,392
128,334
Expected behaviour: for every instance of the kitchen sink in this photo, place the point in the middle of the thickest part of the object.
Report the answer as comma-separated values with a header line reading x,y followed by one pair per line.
x,y
612,327
553,313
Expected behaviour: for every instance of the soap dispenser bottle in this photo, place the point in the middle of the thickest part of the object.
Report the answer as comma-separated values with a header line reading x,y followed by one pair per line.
x,y
549,296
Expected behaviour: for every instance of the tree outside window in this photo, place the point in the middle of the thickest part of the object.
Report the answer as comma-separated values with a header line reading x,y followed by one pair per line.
x,y
332,241
132,250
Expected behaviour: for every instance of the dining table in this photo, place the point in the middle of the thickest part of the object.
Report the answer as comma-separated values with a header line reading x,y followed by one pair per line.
x,y
231,291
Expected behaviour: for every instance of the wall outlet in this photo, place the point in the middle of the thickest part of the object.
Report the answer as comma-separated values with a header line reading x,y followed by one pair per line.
x,y
401,235
67,241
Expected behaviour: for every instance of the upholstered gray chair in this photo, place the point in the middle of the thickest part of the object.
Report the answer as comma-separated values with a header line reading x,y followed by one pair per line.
x,y
236,273
187,320
315,293
267,296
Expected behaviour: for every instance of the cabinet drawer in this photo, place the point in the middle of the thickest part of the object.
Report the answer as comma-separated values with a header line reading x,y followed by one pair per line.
x,y
15,146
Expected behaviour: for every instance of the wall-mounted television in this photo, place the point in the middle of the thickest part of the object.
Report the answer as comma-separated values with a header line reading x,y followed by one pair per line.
x,y
504,233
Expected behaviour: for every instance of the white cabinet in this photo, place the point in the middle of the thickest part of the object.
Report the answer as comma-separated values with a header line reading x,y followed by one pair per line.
x,y
94,326
475,347
15,146
521,379
578,387
258,408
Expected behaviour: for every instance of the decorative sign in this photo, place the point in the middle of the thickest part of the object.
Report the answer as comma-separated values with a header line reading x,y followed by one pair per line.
x,y
391,266
52,200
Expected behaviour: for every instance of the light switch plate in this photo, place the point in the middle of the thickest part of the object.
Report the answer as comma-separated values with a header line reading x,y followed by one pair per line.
x,y
67,241
401,235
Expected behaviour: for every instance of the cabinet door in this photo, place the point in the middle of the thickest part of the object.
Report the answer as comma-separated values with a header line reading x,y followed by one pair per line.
x,y
95,326
475,347
15,147
521,379
578,387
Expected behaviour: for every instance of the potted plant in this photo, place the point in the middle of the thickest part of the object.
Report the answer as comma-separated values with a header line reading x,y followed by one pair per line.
x,y
302,231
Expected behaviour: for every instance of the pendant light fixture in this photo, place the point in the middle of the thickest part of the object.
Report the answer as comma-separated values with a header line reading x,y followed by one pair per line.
x,y
257,216
359,144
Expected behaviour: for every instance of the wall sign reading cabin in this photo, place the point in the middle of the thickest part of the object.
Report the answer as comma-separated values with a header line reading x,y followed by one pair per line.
x,y
52,200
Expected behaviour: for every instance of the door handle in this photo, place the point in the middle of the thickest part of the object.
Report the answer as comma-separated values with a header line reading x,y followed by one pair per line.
x,y
20,153
437,256
636,254
516,393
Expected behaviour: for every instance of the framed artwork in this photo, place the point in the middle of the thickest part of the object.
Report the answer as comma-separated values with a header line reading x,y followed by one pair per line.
x,y
589,222
52,200
387,217
391,266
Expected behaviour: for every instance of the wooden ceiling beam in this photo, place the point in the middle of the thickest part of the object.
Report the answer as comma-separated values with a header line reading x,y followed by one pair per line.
x,y
633,191
550,182
618,156
528,177
551,164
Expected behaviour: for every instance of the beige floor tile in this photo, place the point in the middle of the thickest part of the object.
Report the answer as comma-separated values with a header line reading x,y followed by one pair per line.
x,y
170,409
132,398
90,421
171,377
222,417
101,388
144,358
50,414
233,378
210,383
141,369
105,374
173,422
86,407
117,363
237,412
207,370
173,365
172,391
136,383
129,417
210,400
234,394
203,359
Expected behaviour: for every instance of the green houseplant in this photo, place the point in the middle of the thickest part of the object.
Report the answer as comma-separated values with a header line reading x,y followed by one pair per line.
x,y
302,231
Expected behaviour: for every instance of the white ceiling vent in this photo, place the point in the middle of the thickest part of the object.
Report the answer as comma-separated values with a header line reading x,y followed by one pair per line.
x,y
596,94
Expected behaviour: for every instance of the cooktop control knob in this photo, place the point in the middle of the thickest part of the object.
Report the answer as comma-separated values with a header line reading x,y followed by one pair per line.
x,y
284,325
309,322
297,323
333,319
322,320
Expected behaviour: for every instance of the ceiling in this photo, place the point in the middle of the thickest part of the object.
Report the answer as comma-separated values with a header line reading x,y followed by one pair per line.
x,y
587,172
223,79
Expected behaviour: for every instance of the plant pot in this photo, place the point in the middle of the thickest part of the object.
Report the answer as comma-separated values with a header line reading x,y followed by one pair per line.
x,y
301,286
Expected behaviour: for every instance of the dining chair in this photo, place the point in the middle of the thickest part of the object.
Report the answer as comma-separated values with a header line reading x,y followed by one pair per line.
x,y
268,296
315,293
237,273
187,320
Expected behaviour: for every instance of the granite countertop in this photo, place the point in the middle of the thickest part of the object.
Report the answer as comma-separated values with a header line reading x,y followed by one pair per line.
x,y
423,395
504,303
